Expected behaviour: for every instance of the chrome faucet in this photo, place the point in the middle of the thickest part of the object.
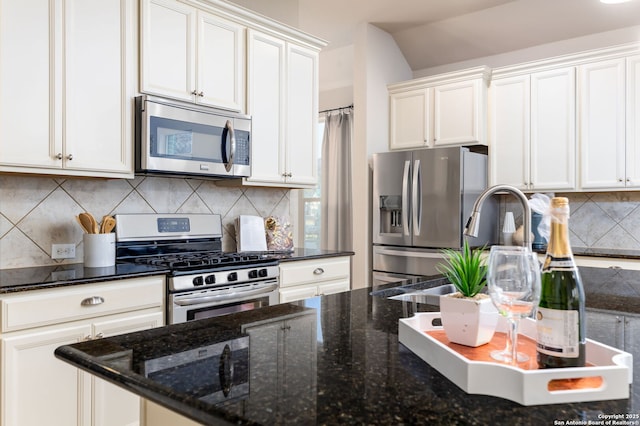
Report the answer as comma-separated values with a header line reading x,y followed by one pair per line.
x,y
474,220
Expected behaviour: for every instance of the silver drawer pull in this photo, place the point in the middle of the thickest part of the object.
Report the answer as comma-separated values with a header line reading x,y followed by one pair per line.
x,y
92,301
318,271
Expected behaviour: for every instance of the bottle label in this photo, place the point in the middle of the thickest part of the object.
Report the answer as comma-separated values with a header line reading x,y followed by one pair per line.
x,y
558,332
559,264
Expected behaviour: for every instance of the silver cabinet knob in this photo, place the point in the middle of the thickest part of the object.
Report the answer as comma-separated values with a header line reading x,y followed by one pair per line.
x,y
201,94
59,156
70,157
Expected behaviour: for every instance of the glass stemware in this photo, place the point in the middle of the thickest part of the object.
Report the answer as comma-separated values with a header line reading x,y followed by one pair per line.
x,y
513,281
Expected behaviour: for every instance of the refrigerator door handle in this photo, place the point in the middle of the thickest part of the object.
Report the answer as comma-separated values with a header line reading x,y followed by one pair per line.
x,y
406,174
407,253
416,199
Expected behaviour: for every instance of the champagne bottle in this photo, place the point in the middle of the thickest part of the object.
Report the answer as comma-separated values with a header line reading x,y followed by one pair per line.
x,y
561,313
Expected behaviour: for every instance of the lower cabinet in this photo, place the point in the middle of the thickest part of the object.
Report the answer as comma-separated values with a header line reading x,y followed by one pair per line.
x,y
620,332
283,370
302,279
36,388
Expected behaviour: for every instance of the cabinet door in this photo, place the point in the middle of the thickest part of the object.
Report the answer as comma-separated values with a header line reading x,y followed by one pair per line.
x,y
266,82
410,122
457,113
633,122
168,35
601,112
265,371
39,389
302,115
28,95
606,328
100,64
220,69
553,151
300,369
510,131
113,405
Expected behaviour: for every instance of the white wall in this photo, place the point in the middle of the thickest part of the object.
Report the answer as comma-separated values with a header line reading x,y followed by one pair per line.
x,y
544,51
377,62
336,77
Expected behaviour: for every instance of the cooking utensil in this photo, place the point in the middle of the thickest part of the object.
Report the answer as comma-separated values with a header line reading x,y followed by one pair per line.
x,y
108,223
88,222
84,224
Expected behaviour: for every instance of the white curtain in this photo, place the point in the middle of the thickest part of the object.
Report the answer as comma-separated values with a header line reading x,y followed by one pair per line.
x,y
336,180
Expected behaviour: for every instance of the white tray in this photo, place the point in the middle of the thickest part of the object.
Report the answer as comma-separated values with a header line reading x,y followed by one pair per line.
x,y
526,387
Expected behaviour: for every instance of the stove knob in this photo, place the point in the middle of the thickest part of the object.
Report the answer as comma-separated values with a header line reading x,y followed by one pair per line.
x,y
198,281
253,273
210,279
232,276
263,272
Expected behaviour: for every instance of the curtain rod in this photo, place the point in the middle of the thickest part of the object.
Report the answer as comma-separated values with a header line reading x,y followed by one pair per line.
x,y
336,109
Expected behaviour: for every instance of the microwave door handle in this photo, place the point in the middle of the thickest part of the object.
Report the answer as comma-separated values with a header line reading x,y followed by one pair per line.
x,y
406,175
228,129
416,198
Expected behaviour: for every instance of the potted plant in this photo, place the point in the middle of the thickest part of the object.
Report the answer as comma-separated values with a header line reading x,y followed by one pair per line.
x,y
468,316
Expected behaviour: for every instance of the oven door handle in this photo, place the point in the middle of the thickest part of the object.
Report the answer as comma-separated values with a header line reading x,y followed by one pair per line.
x,y
224,297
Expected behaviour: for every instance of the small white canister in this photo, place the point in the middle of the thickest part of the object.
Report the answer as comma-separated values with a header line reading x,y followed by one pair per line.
x,y
99,250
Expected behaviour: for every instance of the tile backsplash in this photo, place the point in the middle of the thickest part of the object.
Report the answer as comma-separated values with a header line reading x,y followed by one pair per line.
x,y
600,222
36,212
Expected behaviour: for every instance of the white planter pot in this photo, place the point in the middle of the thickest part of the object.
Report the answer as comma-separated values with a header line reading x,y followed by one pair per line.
x,y
469,322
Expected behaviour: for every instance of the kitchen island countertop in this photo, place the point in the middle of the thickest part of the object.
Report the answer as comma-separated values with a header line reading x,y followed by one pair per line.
x,y
360,373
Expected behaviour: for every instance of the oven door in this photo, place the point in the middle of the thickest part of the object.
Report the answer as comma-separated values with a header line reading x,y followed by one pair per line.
x,y
183,139
212,302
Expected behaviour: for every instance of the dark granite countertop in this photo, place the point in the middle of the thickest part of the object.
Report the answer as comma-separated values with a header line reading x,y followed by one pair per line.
x,y
355,372
40,277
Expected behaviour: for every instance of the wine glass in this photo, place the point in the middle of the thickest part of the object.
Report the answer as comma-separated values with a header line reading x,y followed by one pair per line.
x,y
513,281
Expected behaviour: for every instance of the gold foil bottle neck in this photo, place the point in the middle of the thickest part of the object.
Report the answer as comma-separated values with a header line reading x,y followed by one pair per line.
x,y
559,202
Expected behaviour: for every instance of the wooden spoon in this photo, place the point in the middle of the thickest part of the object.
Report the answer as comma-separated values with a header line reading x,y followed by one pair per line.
x,y
87,222
108,223
83,223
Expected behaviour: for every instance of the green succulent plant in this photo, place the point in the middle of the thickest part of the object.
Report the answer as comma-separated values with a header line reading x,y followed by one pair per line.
x,y
465,269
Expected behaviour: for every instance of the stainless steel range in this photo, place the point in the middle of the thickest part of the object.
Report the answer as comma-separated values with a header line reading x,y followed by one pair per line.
x,y
204,281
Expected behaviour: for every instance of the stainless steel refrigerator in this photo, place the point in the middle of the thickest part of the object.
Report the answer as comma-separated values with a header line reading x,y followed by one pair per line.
x,y
422,200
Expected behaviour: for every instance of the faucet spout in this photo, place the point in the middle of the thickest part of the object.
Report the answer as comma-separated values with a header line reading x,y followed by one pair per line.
x,y
474,220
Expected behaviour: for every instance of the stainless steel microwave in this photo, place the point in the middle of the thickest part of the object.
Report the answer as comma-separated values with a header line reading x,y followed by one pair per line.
x,y
181,139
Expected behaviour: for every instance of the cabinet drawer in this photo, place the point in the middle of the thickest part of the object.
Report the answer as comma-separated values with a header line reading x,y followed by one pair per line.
x,y
51,306
334,286
298,293
310,271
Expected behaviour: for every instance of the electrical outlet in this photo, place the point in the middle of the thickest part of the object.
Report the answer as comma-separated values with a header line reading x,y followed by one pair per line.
x,y
63,251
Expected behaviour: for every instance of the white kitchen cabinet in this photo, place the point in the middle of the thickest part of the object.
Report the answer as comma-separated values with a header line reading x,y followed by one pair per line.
x,y
459,111
192,55
632,146
302,279
443,110
608,111
37,388
410,124
533,143
68,73
601,112
283,352
283,102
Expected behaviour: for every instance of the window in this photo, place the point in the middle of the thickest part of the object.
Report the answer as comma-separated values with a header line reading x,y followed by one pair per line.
x,y
310,202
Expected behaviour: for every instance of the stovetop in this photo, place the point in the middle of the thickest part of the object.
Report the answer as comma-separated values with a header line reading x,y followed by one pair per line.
x,y
198,261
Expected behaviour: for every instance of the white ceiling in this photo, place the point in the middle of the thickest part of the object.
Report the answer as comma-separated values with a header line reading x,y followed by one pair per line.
x,y
437,32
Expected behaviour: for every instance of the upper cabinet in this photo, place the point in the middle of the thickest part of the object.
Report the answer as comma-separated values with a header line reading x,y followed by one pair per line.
x,y
567,123
68,73
282,82
443,110
192,55
608,114
532,126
